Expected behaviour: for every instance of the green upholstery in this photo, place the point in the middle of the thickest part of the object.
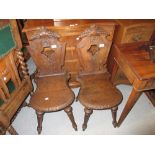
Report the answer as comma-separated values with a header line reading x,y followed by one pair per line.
x,y
1,102
10,86
7,42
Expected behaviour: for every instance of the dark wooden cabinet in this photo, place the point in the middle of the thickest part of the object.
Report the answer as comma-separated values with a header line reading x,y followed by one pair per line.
x,y
15,83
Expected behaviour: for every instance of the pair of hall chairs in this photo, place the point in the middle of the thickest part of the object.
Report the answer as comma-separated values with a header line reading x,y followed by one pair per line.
x,y
53,93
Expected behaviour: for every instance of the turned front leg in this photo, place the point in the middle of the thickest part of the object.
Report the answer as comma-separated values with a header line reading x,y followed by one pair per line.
x,y
114,116
69,112
40,120
88,112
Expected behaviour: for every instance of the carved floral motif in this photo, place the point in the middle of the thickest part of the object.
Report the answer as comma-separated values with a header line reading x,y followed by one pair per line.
x,y
93,30
43,31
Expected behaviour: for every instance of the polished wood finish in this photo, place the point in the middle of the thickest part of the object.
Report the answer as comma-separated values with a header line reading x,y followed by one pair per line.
x,y
96,91
139,70
69,30
52,92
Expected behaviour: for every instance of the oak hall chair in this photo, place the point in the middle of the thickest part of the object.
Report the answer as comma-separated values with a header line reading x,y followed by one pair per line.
x,y
52,92
96,92
14,87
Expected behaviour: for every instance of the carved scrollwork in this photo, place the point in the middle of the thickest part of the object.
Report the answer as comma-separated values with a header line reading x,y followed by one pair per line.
x,y
93,30
95,35
92,49
43,31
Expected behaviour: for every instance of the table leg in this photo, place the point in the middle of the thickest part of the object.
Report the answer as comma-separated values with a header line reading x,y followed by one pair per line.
x,y
129,105
114,72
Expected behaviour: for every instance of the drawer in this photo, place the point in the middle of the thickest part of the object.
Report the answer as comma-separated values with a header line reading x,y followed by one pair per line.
x,y
142,85
137,34
150,84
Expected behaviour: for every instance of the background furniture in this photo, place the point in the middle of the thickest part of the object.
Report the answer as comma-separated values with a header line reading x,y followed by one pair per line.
x,y
52,92
96,91
131,39
14,87
133,34
130,34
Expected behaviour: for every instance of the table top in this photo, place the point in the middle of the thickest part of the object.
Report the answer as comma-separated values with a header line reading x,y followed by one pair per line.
x,y
140,63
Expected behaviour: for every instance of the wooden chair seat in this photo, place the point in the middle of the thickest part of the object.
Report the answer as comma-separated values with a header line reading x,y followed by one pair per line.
x,y
52,94
97,92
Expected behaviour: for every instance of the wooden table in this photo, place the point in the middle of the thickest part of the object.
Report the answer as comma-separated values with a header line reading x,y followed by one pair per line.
x,y
131,34
139,70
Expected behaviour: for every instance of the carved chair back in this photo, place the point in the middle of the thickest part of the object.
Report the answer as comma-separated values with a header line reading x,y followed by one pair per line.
x,y
47,52
93,49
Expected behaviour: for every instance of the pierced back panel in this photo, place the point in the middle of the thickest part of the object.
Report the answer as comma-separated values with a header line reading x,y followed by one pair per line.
x,y
93,49
47,52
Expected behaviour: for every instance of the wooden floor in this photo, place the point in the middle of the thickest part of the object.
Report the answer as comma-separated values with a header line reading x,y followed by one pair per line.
x,y
141,119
